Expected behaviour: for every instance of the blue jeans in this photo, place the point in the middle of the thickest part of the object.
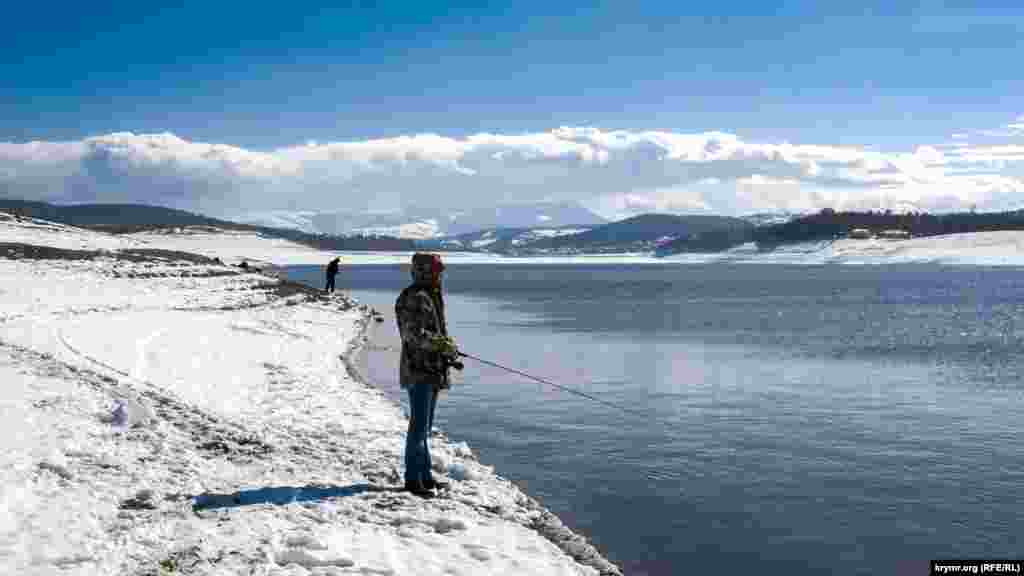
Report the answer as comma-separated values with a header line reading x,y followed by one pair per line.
x,y
422,401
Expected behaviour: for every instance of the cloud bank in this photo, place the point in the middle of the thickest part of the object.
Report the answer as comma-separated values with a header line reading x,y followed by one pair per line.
x,y
615,173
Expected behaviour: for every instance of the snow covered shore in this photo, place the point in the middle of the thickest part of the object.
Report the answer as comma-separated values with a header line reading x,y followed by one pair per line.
x,y
980,248
973,249
163,413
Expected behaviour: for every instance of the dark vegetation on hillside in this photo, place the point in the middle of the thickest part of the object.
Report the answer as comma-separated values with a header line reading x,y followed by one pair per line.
x,y
709,241
495,240
830,225
130,218
644,229
691,233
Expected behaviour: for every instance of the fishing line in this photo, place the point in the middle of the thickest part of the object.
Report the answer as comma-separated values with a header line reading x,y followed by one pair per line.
x,y
559,386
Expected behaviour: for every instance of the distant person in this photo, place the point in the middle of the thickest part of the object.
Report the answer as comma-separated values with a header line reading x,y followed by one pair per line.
x,y
332,271
427,353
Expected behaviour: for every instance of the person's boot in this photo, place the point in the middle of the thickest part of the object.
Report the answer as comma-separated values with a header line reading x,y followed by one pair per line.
x,y
418,488
435,484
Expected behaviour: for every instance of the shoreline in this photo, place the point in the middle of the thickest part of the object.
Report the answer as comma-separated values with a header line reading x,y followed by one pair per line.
x,y
168,411
545,523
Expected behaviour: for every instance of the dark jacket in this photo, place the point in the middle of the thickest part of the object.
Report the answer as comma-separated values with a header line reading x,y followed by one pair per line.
x,y
419,311
332,268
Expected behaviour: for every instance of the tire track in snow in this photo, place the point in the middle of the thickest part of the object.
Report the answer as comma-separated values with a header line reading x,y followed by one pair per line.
x,y
210,433
217,435
140,351
131,531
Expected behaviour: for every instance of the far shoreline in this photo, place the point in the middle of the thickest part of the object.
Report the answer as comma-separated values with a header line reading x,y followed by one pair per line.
x,y
982,249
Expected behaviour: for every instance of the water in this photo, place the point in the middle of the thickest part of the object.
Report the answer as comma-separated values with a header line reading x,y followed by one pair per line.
x,y
820,419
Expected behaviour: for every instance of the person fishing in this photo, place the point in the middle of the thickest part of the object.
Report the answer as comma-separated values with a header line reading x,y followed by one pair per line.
x,y
332,271
427,354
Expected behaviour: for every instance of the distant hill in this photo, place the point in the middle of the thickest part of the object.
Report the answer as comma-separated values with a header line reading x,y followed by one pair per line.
x,y
639,233
499,240
129,218
521,216
424,222
90,215
829,224
715,240
769,218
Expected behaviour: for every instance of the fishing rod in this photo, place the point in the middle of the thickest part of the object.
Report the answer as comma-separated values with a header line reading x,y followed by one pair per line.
x,y
559,386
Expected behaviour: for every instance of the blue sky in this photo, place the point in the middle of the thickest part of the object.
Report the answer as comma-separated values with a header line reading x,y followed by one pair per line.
x,y
889,76
264,77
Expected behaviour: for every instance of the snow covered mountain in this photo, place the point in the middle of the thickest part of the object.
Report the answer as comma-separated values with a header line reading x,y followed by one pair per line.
x,y
410,230
498,239
420,223
550,215
770,218
302,221
638,233
335,223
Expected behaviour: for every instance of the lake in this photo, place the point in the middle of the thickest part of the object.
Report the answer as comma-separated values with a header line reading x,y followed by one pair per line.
x,y
819,419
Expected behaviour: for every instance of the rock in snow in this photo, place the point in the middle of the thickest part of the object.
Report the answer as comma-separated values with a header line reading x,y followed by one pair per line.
x,y
166,416
130,413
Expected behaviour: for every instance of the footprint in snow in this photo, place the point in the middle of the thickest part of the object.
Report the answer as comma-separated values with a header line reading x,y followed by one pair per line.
x,y
445,525
308,551
477,552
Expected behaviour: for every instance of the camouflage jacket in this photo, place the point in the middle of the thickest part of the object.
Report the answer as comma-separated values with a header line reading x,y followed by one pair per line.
x,y
419,311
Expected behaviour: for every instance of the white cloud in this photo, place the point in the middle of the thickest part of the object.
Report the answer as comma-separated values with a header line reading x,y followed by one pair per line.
x,y
615,172
1001,133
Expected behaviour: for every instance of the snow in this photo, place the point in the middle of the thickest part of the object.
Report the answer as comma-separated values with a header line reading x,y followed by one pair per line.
x,y
537,234
419,230
174,417
233,247
41,232
486,239
981,248
978,248
159,413
302,220
551,233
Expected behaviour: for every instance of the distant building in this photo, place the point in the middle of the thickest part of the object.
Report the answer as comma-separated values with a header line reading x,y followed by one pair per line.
x,y
894,234
860,234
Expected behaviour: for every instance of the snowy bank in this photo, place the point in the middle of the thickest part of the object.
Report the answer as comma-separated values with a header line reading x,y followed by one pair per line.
x,y
976,248
232,247
166,414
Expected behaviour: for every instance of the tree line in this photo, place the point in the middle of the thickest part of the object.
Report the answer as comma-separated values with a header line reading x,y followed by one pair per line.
x,y
830,224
